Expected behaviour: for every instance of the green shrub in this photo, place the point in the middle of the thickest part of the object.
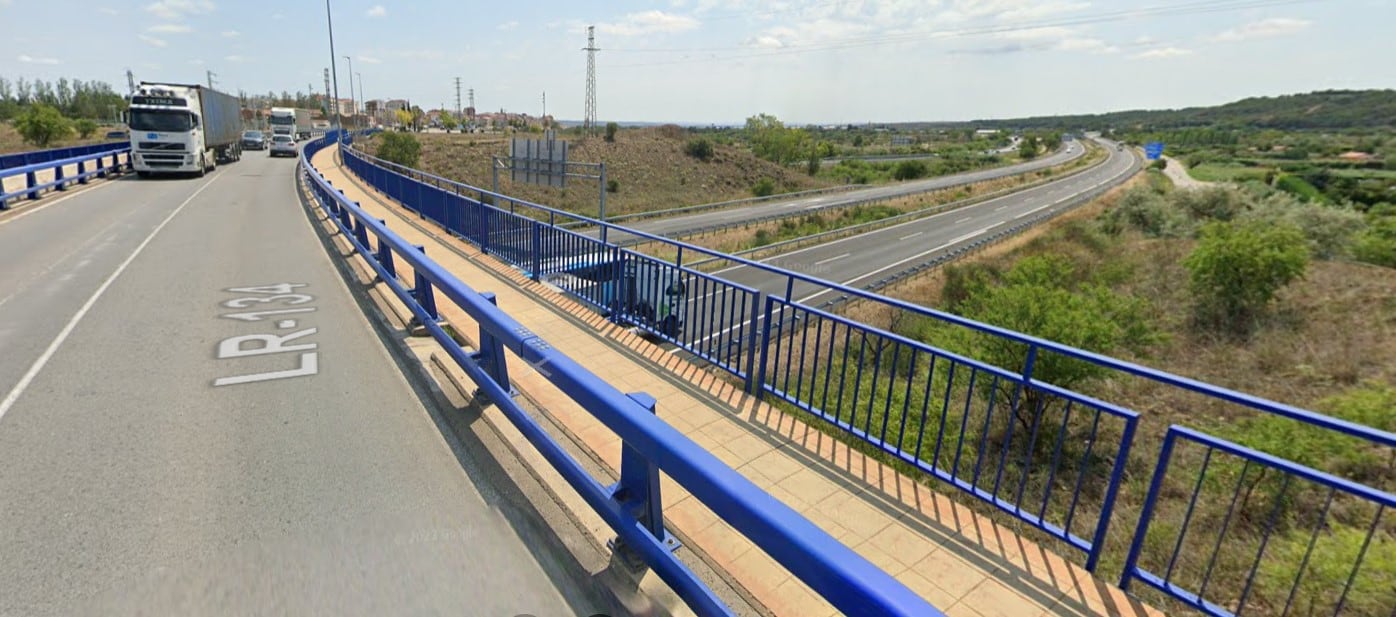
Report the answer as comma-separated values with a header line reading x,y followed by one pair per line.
x,y
699,148
1377,245
1329,230
963,281
400,148
1299,187
909,170
1159,164
1149,212
42,125
1328,450
85,127
612,186
1213,203
1236,270
763,187
763,237
611,129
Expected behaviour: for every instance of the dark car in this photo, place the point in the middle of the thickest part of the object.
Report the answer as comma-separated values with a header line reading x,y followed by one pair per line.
x,y
118,134
254,140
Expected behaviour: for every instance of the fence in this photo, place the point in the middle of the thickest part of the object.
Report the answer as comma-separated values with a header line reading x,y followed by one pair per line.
x,y
632,507
30,164
1051,457
1292,538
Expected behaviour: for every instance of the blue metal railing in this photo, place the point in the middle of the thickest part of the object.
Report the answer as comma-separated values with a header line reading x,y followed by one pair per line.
x,y
997,441
1292,539
29,164
632,507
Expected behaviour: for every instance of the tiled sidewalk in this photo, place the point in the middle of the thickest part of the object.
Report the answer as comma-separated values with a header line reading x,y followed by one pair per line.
x,y
960,561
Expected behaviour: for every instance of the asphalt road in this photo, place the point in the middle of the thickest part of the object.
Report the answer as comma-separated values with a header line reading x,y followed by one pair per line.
x,y
171,444
716,324
673,226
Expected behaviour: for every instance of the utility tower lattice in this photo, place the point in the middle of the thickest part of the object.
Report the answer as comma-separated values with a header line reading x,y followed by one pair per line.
x,y
458,113
589,122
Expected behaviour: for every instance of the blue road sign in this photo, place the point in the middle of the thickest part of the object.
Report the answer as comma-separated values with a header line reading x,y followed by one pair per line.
x,y
1153,150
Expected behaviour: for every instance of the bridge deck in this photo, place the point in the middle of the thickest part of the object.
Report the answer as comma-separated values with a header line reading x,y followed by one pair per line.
x,y
151,463
961,561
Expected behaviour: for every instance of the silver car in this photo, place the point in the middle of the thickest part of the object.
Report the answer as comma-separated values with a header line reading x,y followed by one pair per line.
x,y
283,144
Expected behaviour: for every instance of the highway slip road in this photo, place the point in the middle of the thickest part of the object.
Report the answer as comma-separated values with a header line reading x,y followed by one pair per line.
x,y
198,418
677,225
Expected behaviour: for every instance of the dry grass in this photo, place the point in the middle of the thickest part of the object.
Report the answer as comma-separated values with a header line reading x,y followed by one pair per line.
x,y
649,165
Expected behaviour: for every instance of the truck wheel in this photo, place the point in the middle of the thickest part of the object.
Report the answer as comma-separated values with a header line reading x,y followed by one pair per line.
x,y
670,327
203,166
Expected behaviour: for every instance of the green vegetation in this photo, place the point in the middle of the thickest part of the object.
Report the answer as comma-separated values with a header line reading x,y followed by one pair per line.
x,y
85,127
42,125
400,148
1328,568
1331,109
611,129
1237,269
909,170
818,223
771,140
612,186
763,188
73,99
699,148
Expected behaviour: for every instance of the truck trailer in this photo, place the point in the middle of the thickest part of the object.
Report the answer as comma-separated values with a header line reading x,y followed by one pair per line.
x,y
291,121
181,128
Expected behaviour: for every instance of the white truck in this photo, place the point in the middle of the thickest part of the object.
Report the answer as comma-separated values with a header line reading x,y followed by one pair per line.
x,y
180,128
649,293
291,121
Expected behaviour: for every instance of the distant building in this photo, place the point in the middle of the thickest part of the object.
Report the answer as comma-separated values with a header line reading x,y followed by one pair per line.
x,y
1359,157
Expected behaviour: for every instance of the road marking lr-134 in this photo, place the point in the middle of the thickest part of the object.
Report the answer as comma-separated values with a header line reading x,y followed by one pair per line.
x,y
260,344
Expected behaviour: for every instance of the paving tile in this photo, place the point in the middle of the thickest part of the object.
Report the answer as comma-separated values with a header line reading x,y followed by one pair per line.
x,y
992,598
950,572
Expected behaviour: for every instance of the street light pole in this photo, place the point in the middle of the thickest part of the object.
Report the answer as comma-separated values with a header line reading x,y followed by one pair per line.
x,y
334,71
353,104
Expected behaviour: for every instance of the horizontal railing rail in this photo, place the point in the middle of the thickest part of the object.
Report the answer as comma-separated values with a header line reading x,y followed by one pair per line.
x,y
20,159
632,507
100,168
768,325
718,205
1291,539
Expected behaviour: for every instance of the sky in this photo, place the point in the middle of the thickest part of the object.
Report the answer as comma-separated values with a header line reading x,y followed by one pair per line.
x,y
721,61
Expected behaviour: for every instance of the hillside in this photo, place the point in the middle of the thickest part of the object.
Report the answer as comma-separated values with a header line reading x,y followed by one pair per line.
x,y
648,165
1330,109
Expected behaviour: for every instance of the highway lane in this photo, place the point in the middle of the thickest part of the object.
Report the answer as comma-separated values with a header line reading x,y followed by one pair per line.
x,y
199,418
859,260
673,226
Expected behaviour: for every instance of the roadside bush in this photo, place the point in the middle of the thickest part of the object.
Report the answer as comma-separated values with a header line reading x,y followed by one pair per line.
x,y
963,281
1299,187
1329,230
42,125
611,129
763,187
85,127
909,170
1327,566
699,148
1328,450
1377,244
1236,270
1159,164
763,237
1213,203
612,186
1149,212
400,148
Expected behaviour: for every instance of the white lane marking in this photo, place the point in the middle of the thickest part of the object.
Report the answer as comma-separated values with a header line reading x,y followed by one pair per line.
x,y
831,259
41,207
87,306
910,235
898,263
957,222
1000,208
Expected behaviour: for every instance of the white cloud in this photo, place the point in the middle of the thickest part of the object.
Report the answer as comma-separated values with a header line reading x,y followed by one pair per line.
x,y
1037,34
1162,52
234,58
377,11
231,34
152,40
170,28
1275,26
649,22
196,62
28,59
507,26
1095,46
174,9
106,10
369,60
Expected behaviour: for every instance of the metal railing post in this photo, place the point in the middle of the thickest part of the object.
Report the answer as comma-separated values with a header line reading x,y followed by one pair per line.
x,y
422,289
58,177
82,172
31,181
762,358
491,355
638,489
385,255
537,264
752,385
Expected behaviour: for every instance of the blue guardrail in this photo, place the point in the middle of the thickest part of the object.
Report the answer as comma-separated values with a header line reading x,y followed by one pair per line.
x,y
1052,458
632,507
29,164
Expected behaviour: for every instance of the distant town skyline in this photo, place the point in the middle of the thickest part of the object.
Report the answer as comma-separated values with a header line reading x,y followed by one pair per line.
x,y
720,61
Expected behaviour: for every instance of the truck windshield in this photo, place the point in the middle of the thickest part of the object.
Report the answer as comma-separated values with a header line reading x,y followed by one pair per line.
x,y
160,120
283,120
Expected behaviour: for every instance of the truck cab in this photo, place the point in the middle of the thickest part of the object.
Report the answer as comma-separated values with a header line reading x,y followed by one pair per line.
x,y
181,129
648,293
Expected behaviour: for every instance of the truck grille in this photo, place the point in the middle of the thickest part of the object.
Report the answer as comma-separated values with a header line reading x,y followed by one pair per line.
x,y
160,145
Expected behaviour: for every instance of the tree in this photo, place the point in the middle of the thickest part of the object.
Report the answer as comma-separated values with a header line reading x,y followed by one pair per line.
x,y
699,148
1028,147
41,125
909,170
1237,268
448,122
611,129
85,127
771,140
404,117
400,148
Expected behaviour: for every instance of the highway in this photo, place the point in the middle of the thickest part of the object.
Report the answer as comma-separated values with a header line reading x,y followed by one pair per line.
x,y
198,417
675,226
